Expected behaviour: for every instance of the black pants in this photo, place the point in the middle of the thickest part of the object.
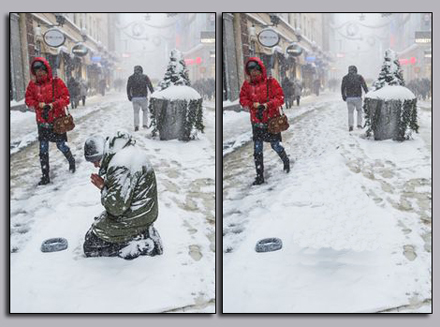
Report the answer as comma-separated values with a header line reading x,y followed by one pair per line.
x,y
96,247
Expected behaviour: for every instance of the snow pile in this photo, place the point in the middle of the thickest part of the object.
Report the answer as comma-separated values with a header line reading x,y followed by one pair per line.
x,y
177,92
391,92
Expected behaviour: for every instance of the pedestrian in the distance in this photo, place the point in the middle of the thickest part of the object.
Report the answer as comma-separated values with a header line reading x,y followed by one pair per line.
x,y
287,86
83,87
48,96
263,97
102,85
297,90
351,89
137,92
316,86
74,91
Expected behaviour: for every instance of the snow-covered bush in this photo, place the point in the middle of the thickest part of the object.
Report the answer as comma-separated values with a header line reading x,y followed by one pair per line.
x,y
390,108
176,108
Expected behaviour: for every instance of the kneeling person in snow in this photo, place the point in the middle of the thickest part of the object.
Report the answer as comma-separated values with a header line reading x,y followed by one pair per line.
x,y
129,195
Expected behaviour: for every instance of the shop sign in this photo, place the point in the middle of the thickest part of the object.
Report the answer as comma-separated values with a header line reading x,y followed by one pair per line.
x,y
423,37
80,50
268,38
294,50
54,38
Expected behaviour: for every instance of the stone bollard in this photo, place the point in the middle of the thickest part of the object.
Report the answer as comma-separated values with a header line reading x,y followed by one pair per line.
x,y
386,115
391,113
175,118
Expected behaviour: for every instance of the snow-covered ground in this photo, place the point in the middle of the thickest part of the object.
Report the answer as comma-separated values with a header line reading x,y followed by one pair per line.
x,y
23,130
181,280
236,125
354,216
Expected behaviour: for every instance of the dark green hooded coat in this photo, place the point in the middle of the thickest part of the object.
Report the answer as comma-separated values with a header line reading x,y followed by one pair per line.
x,y
130,192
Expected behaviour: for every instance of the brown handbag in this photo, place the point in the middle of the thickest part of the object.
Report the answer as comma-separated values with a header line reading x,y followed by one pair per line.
x,y
65,123
277,124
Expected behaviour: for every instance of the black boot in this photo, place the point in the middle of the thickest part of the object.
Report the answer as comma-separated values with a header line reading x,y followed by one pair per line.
x,y
71,160
285,160
259,166
44,162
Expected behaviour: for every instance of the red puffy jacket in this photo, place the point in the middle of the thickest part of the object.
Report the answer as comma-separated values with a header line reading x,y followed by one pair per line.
x,y
41,91
256,91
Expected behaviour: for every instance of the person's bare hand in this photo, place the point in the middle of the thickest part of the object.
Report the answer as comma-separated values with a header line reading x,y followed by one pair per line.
x,y
97,180
256,104
41,104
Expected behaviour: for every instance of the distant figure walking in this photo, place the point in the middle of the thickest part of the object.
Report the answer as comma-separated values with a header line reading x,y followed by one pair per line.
x,y
351,89
137,91
297,90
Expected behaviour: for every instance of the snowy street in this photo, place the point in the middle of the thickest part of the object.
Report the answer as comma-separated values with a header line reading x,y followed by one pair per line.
x,y
181,280
354,216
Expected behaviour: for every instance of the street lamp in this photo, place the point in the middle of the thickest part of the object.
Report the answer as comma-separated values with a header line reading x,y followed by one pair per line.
x,y
252,32
37,30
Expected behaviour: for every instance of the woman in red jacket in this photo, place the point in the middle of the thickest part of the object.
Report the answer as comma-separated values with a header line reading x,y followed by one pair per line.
x,y
263,97
49,97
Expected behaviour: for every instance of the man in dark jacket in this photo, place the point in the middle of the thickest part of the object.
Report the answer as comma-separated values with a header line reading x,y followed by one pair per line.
x,y
128,188
351,89
137,92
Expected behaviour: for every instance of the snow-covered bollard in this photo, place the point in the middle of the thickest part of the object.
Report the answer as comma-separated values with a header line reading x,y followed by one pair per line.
x,y
390,108
176,110
391,112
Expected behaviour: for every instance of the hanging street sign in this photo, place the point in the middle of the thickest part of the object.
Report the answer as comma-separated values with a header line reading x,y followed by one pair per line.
x,y
423,37
268,38
54,38
294,50
80,50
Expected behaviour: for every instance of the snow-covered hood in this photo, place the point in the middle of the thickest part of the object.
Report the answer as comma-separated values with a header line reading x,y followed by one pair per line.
x,y
112,145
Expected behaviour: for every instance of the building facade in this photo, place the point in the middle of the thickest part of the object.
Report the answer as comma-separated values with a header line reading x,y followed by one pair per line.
x,y
93,32
411,35
195,38
304,31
